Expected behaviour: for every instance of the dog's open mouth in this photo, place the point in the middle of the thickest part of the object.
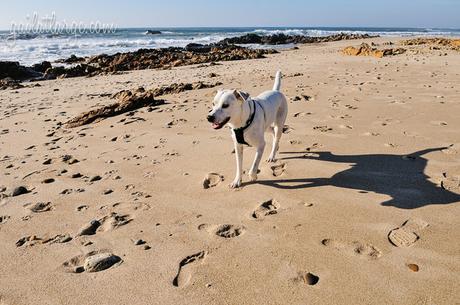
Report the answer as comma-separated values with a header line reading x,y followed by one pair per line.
x,y
221,124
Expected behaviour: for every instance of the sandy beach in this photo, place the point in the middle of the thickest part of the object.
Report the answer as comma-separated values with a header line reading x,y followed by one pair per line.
x,y
361,207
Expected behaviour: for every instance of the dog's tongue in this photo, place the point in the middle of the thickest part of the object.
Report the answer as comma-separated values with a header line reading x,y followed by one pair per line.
x,y
215,125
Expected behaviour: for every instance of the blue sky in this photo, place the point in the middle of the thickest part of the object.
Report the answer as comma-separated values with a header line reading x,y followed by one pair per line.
x,y
170,13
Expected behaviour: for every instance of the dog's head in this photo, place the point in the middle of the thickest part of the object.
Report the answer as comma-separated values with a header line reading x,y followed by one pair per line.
x,y
227,107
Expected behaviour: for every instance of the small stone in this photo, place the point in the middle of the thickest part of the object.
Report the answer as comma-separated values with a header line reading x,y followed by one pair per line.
x,y
48,180
147,247
139,242
20,190
108,191
99,262
76,175
95,178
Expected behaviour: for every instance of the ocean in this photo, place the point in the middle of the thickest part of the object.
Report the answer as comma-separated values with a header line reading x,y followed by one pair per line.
x,y
33,48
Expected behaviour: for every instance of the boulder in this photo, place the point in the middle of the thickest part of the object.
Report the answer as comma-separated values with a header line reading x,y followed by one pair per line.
x,y
15,71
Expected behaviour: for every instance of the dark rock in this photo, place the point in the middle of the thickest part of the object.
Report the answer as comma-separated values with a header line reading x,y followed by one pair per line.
x,y
139,242
153,32
95,178
198,48
15,71
20,190
277,39
42,67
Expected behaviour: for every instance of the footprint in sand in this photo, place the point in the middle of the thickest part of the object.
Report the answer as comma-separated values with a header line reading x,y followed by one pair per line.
x,y
278,170
212,180
307,278
408,233
322,128
356,248
93,261
230,231
267,208
114,221
186,267
4,218
40,207
450,182
225,230
106,223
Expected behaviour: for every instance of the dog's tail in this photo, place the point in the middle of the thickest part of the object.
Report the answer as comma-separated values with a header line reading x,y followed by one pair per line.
x,y
277,85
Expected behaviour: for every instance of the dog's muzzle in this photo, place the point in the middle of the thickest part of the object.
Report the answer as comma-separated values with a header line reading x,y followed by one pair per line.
x,y
216,125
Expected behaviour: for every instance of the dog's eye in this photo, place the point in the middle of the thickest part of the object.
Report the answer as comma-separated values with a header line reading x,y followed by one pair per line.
x,y
225,106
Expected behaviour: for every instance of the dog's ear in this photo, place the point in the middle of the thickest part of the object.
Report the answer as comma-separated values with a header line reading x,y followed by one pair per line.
x,y
241,95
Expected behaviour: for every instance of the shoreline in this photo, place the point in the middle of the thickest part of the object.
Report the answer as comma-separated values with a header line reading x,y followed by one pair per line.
x,y
236,48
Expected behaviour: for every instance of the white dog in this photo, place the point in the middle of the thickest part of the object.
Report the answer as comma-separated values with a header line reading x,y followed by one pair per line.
x,y
249,119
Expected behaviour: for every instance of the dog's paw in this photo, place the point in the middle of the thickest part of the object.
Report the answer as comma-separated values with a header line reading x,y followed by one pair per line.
x,y
252,176
235,184
271,159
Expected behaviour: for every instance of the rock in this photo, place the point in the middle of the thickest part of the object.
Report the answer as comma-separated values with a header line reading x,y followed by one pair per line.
x,y
20,190
152,32
74,71
277,39
72,60
15,71
90,228
69,159
95,178
199,48
139,242
156,59
453,44
129,100
76,175
42,67
366,50
101,261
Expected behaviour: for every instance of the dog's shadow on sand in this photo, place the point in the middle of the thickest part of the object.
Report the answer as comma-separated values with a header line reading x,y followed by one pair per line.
x,y
400,176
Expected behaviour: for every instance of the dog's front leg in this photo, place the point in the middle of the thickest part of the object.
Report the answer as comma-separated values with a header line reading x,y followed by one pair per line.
x,y
255,165
239,164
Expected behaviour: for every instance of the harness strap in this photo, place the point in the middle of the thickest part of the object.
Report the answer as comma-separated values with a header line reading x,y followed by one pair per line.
x,y
239,132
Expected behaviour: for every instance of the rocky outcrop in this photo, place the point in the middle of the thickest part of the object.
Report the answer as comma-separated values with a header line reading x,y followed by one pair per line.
x,y
74,71
156,59
289,39
129,100
366,50
440,42
15,71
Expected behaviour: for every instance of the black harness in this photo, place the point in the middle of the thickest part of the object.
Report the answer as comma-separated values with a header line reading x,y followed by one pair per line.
x,y
239,132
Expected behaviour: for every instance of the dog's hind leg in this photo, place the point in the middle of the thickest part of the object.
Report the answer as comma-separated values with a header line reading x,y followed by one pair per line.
x,y
255,164
277,132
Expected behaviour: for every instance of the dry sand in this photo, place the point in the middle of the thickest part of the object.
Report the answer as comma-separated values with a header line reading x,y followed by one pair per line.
x,y
362,206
